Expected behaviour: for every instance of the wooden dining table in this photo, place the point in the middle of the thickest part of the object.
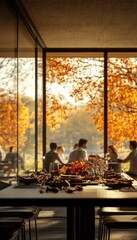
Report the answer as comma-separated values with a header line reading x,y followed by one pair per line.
x,y
80,204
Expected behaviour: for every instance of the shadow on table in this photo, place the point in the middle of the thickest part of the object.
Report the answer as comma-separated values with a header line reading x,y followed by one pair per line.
x,y
4,185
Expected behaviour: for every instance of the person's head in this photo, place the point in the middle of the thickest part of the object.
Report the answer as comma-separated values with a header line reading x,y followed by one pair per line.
x,y
75,146
60,150
132,145
53,146
11,148
111,149
83,143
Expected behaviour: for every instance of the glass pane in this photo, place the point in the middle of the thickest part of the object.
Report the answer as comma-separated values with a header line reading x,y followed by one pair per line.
x,y
122,102
40,110
26,100
8,87
75,102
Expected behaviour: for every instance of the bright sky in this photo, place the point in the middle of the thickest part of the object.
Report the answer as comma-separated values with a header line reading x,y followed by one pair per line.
x,y
26,70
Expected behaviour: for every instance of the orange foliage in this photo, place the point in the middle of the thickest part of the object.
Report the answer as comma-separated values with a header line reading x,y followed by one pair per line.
x,y
9,127
122,93
55,113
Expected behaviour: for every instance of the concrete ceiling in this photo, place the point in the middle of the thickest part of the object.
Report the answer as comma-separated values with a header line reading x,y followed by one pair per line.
x,y
85,23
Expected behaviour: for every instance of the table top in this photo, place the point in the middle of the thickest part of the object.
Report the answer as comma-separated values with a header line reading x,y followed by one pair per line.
x,y
80,204
95,194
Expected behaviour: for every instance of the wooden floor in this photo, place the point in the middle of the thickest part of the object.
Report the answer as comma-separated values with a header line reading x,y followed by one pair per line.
x,y
52,225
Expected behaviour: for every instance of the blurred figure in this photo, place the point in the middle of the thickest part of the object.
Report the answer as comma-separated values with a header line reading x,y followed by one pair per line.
x,y
51,156
79,153
61,153
13,157
20,161
132,158
112,157
75,146
0,156
112,153
10,156
72,153
10,160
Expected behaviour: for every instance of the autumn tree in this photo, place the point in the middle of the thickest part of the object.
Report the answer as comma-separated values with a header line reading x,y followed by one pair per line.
x,y
84,80
17,104
58,72
122,101
11,122
70,83
77,125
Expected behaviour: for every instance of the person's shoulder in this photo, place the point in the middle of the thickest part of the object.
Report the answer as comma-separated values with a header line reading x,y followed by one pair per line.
x,y
82,150
135,151
74,150
48,153
52,153
9,154
71,154
55,154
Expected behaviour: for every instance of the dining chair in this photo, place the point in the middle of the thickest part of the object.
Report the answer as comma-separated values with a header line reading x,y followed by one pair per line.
x,y
117,222
105,212
27,213
12,228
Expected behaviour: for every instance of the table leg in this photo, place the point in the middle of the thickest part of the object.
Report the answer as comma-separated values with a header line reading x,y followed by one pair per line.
x,y
87,223
70,223
81,223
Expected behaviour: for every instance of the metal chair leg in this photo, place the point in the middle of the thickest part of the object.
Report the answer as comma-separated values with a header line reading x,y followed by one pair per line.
x,y
29,229
36,232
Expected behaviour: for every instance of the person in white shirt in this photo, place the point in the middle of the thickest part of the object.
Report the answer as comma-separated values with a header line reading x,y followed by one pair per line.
x,y
61,153
80,153
132,158
76,146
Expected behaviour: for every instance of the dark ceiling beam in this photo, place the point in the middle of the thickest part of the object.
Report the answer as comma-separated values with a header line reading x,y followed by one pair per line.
x,y
91,49
21,10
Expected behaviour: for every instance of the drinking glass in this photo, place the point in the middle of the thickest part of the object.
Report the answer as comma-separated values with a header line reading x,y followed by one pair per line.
x,y
53,167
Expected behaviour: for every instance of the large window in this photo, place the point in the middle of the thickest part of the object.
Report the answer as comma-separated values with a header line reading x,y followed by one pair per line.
x,y
89,95
8,82
122,101
40,110
21,94
75,102
26,98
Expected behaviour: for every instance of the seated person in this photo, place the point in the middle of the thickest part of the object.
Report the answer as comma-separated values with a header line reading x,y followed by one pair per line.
x,y
112,154
79,153
76,146
132,158
61,153
51,156
10,156
0,156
